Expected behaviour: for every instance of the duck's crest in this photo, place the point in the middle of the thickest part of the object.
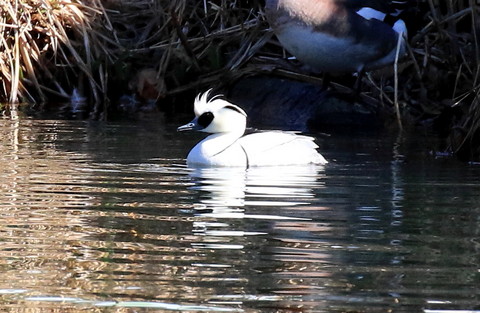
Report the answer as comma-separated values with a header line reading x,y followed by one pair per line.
x,y
204,104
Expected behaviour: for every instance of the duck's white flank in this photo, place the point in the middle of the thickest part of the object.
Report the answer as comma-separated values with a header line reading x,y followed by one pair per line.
x,y
227,145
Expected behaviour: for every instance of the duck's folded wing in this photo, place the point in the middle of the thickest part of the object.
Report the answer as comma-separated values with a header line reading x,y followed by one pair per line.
x,y
280,148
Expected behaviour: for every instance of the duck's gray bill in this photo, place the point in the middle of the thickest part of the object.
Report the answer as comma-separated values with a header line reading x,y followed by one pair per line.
x,y
190,126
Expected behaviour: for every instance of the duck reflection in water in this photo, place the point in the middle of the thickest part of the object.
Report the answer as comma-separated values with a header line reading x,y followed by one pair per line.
x,y
226,192
238,187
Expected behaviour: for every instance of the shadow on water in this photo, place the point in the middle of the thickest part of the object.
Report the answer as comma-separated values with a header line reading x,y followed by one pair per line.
x,y
107,216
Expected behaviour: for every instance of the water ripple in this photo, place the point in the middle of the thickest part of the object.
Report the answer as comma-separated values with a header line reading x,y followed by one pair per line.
x,y
107,216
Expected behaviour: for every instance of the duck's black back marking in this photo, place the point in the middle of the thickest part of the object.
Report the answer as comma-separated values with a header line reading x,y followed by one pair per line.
x,y
205,119
246,156
235,108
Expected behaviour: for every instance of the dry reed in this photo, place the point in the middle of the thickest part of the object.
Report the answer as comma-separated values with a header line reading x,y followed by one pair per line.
x,y
448,56
51,47
42,38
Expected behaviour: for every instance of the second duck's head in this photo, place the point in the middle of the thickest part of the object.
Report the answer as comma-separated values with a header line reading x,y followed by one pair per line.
x,y
216,115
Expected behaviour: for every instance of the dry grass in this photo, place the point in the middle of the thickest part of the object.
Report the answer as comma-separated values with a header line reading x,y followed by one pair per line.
x,y
447,56
51,47
188,43
42,38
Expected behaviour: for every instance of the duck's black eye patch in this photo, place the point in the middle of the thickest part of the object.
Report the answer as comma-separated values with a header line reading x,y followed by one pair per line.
x,y
205,119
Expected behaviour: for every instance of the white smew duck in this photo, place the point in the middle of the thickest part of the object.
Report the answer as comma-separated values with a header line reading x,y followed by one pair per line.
x,y
227,145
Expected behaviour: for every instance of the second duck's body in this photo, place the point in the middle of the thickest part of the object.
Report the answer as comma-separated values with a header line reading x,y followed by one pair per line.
x,y
336,35
227,146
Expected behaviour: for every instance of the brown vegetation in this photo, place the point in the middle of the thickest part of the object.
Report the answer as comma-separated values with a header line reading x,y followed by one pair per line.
x,y
49,48
446,53
47,45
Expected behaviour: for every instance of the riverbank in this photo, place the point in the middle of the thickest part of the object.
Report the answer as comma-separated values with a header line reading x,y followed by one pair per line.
x,y
108,58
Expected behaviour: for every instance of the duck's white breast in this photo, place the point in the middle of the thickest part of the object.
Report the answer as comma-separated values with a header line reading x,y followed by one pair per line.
x,y
206,153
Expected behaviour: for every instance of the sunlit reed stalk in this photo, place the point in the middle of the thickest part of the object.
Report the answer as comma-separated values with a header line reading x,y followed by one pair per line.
x,y
36,37
395,66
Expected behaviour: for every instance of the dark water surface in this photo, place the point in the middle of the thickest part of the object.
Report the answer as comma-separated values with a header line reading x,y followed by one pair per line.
x,y
107,218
